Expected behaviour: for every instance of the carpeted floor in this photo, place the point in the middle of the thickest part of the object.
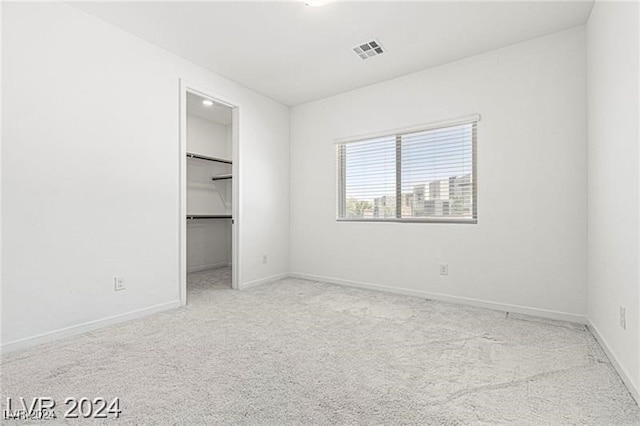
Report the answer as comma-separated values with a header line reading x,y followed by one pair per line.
x,y
302,352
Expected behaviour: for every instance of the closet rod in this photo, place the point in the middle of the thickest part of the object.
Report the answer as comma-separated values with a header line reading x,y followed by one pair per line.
x,y
204,157
219,216
221,177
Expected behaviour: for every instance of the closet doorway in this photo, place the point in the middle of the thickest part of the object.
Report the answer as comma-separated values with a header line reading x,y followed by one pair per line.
x,y
208,192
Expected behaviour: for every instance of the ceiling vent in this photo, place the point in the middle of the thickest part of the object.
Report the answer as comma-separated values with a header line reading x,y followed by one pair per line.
x,y
369,49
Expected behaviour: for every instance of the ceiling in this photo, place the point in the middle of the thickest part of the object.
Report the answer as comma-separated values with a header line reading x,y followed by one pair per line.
x,y
217,113
295,53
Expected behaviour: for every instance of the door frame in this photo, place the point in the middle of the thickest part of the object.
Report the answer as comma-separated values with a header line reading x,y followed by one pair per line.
x,y
188,87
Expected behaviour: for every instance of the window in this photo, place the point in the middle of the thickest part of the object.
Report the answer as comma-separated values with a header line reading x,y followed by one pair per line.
x,y
426,174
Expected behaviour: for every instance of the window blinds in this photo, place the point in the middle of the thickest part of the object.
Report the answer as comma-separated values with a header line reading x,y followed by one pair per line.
x,y
415,175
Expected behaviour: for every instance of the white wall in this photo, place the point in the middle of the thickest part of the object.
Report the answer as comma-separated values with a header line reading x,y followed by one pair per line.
x,y
208,244
208,138
613,88
90,173
1,195
528,250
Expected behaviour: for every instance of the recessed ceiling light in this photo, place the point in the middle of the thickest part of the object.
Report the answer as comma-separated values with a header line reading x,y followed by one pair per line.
x,y
316,3
207,103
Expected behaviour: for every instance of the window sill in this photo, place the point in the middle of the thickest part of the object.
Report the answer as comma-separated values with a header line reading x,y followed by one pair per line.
x,y
412,220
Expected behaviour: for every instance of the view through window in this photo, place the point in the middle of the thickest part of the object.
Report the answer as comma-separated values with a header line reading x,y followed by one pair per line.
x,y
426,175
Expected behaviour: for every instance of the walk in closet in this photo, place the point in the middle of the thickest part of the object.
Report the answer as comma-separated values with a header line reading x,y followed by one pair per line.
x,y
209,188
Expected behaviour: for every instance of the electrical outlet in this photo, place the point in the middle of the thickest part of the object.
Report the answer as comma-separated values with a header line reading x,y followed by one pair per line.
x,y
623,318
118,283
443,269
264,258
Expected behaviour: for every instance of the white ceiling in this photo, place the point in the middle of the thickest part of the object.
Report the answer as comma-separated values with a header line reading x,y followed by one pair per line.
x,y
294,53
217,113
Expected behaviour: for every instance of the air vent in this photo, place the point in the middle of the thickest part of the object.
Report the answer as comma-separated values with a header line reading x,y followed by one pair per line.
x,y
369,50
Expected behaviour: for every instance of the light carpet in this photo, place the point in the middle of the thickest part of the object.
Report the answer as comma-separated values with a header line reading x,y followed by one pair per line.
x,y
304,352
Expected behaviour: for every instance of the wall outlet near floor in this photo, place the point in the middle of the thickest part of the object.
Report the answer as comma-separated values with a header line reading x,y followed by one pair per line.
x,y
118,283
264,258
623,318
443,269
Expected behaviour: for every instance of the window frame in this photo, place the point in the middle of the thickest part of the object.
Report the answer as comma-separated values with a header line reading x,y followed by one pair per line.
x,y
398,133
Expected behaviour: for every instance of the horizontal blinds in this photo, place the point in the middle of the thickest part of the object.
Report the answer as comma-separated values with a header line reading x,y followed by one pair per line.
x,y
420,175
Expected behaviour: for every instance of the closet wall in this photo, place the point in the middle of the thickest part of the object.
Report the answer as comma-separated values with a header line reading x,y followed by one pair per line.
x,y
208,240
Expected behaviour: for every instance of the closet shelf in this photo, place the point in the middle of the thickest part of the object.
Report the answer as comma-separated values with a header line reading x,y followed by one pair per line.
x,y
215,216
204,157
221,177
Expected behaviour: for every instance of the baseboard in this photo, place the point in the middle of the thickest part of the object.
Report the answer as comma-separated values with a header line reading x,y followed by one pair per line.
x,y
635,392
84,327
263,281
526,310
206,267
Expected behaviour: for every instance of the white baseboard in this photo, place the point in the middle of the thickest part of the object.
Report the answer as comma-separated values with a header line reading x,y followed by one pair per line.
x,y
206,267
544,313
635,392
263,281
84,327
